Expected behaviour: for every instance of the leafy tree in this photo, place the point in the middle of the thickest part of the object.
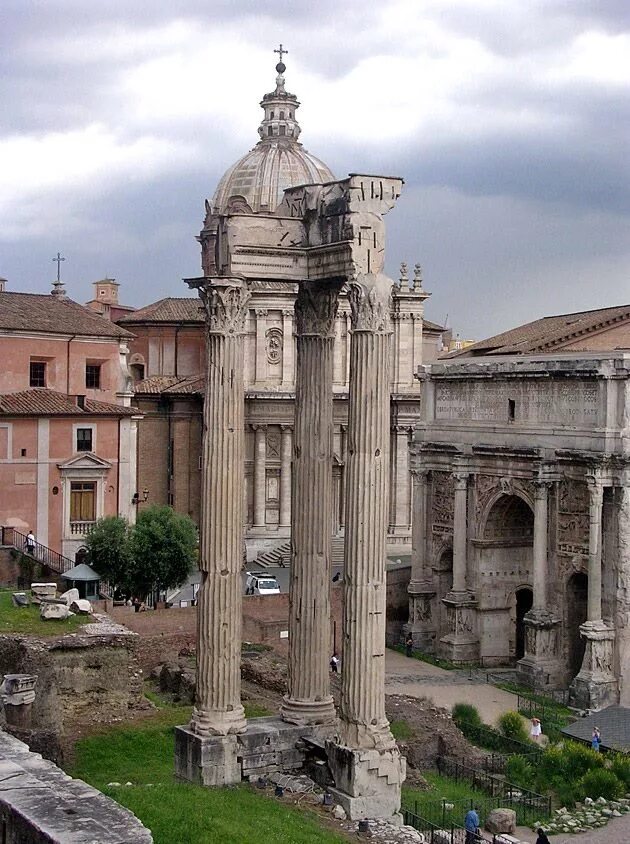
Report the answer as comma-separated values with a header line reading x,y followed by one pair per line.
x,y
163,547
109,550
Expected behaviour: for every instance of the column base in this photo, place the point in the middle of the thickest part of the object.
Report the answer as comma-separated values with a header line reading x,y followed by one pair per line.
x,y
367,782
461,643
595,686
206,760
421,625
222,723
306,712
540,667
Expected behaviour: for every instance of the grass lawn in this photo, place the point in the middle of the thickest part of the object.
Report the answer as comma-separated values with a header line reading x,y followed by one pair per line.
x,y
432,660
181,813
26,620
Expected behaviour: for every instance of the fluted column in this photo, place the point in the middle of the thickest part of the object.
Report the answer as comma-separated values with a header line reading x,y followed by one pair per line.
x,y
460,521
594,607
541,494
308,700
285,476
218,709
260,474
362,711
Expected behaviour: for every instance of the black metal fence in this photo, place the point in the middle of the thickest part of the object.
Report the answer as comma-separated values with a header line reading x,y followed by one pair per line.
x,y
43,555
447,832
528,805
493,740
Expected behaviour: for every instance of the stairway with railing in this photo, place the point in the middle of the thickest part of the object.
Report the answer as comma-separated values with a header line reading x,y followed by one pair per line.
x,y
37,552
44,556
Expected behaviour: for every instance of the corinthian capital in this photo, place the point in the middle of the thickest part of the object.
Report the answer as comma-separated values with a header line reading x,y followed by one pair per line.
x,y
225,302
316,307
370,302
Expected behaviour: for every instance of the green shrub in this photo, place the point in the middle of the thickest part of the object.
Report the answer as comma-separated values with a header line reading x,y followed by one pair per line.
x,y
511,725
518,771
578,759
599,782
620,767
466,713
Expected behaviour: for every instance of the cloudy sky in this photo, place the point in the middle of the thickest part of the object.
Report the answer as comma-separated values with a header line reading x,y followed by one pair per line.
x,y
508,119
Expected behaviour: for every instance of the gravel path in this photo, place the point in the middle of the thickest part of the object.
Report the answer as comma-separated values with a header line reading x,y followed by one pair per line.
x,y
405,676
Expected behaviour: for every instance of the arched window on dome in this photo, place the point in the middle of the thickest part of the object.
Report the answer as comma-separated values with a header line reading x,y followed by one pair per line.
x,y
270,130
271,115
281,115
283,130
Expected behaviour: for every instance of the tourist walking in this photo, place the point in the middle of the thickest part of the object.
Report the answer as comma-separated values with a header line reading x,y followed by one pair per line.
x,y
596,739
30,543
334,663
471,825
535,730
542,836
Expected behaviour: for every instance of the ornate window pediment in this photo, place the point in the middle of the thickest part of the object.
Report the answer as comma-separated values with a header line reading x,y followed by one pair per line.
x,y
86,461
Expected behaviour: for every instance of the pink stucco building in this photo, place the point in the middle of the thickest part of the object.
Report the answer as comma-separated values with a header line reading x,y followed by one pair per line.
x,y
67,430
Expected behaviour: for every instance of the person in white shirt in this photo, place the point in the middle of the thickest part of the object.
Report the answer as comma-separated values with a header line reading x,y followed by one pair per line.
x,y
535,730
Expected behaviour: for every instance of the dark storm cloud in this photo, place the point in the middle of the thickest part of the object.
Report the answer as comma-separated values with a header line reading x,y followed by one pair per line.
x,y
512,176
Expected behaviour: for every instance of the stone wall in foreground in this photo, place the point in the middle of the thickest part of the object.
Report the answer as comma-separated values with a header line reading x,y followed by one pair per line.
x,y
40,804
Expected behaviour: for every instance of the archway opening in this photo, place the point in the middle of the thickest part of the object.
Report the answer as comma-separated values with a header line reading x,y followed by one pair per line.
x,y
510,518
577,603
524,601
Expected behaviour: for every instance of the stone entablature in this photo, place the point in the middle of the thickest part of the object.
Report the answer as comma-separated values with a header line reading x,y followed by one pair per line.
x,y
526,564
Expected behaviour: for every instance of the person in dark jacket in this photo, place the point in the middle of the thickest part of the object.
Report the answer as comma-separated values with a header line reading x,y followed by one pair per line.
x,y
542,837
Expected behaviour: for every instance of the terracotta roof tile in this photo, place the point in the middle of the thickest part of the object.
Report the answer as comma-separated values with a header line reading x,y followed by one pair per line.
x,y
167,310
546,334
53,315
171,384
39,401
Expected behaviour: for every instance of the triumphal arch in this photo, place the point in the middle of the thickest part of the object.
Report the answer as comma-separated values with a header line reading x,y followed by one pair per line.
x,y
521,494
323,237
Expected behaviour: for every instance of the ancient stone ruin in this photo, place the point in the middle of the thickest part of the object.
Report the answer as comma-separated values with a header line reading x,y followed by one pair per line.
x,y
321,238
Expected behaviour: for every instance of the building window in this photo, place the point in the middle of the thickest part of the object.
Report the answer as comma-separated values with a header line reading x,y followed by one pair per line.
x,y
82,501
283,130
38,373
93,376
511,410
84,439
137,371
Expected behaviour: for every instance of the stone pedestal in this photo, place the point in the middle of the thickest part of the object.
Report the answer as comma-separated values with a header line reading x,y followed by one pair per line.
x,y
206,760
596,687
461,643
540,667
421,624
367,782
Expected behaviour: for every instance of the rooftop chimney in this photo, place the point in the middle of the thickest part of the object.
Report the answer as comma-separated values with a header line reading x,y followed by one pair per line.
x,y
3,285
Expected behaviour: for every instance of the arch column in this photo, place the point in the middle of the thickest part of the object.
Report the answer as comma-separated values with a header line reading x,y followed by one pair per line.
x,y
595,686
540,666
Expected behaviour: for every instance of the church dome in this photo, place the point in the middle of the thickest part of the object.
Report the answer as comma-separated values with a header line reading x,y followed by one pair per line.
x,y
278,161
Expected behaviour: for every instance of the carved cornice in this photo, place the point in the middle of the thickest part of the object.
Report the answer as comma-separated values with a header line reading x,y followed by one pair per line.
x,y
225,302
316,308
370,303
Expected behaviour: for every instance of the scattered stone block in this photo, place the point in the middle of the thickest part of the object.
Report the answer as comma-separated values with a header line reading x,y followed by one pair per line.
x,y
339,812
50,610
501,820
81,607
20,599
43,591
70,595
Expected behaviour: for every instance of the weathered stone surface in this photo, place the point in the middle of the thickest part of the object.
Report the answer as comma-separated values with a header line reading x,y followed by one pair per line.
x,y
49,610
81,606
501,820
41,591
70,595
20,599
46,805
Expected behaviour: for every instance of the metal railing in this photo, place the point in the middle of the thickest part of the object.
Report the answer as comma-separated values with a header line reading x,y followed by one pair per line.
x,y
528,805
40,553
447,832
494,740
